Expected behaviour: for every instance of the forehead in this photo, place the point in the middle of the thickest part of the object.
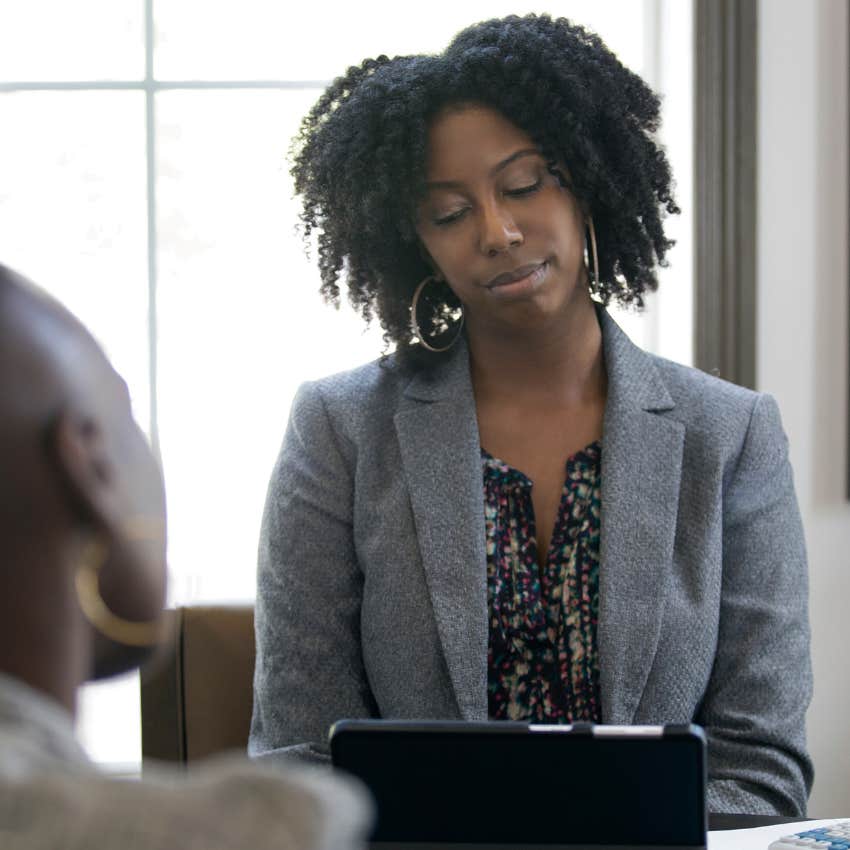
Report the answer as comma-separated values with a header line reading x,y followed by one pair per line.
x,y
465,141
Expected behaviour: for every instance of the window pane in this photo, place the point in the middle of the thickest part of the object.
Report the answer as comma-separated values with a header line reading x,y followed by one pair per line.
x,y
241,325
72,217
665,326
59,40
267,39
72,213
675,337
109,723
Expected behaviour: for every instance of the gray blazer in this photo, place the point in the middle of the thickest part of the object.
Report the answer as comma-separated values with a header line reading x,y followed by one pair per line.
x,y
372,595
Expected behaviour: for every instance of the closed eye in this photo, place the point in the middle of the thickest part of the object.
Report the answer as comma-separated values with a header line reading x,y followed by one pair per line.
x,y
451,217
512,193
524,190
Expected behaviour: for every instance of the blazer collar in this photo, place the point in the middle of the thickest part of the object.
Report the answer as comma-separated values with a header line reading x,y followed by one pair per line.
x,y
633,379
448,380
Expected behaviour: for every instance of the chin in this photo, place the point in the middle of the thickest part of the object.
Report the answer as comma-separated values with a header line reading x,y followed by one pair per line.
x,y
113,659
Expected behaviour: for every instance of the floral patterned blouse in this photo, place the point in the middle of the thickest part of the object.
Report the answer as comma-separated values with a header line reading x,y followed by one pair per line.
x,y
542,656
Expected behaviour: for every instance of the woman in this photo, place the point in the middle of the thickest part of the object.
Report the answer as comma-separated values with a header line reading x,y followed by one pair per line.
x,y
519,514
82,582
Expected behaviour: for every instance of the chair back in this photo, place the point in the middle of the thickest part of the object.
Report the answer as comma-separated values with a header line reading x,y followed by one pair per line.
x,y
198,696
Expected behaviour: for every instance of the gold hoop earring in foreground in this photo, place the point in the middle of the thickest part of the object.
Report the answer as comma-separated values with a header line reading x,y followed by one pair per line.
x,y
414,324
127,632
594,254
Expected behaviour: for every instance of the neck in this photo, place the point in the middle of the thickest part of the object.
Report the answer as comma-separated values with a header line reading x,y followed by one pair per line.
x,y
43,641
561,364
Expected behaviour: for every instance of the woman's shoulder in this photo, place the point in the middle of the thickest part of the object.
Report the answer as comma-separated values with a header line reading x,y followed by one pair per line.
x,y
361,385
724,411
355,399
681,392
689,385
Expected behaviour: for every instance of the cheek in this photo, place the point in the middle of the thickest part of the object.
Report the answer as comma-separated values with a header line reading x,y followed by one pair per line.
x,y
446,252
567,231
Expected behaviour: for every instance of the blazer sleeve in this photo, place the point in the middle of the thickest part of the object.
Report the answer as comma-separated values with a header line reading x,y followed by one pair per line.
x,y
309,668
761,683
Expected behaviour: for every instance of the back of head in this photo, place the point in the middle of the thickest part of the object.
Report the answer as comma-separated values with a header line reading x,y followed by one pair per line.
x,y
39,344
78,482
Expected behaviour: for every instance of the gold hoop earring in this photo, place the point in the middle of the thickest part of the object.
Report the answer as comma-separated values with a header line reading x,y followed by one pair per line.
x,y
414,324
144,528
594,256
96,611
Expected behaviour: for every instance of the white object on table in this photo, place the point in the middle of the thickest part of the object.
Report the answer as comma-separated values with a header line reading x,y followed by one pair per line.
x,y
760,837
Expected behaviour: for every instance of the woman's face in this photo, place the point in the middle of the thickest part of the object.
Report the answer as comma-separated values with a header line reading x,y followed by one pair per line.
x,y
498,226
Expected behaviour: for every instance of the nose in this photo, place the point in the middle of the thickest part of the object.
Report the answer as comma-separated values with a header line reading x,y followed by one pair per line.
x,y
498,230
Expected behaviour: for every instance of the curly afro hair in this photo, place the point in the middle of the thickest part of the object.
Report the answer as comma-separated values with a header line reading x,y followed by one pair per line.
x,y
359,160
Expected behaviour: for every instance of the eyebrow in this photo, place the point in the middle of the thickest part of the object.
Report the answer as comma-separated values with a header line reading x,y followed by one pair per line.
x,y
454,184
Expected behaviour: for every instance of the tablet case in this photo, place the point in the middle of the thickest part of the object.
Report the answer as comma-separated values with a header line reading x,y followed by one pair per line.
x,y
515,784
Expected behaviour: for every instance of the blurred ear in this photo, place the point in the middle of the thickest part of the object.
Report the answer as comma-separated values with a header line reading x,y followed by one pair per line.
x,y
78,450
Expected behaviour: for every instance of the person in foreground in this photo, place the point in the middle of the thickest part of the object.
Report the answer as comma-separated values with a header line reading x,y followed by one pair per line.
x,y
519,514
82,527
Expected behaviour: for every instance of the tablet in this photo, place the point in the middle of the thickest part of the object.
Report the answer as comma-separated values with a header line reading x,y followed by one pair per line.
x,y
507,784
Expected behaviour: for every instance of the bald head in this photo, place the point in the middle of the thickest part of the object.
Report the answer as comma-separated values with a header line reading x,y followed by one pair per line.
x,y
48,363
75,468
45,351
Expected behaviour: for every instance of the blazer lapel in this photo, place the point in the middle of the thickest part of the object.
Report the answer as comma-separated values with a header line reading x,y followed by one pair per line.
x,y
438,434
641,468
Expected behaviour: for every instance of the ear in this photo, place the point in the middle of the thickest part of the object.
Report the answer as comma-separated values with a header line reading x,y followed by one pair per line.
x,y
76,445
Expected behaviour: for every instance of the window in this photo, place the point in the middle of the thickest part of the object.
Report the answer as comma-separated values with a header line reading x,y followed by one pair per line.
x,y
143,181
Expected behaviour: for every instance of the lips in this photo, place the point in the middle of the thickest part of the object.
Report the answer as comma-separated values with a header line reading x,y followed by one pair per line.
x,y
513,276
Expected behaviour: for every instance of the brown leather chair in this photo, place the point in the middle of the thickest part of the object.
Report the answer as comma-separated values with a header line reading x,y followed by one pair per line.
x,y
197,695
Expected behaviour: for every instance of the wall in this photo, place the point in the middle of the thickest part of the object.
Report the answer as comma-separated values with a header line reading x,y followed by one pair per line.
x,y
802,350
